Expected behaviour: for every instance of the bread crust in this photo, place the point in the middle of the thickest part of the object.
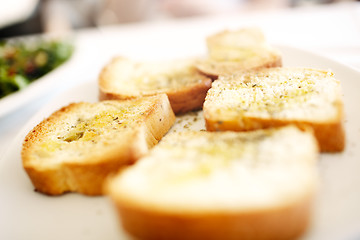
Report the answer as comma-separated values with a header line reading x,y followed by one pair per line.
x,y
238,50
187,98
86,174
330,135
329,132
202,202
286,222
213,69
86,179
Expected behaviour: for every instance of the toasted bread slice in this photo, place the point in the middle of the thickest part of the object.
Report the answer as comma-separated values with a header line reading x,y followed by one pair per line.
x,y
186,88
79,145
220,185
276,97
239,50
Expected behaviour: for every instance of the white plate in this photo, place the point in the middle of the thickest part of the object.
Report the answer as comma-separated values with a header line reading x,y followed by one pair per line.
x,y
36,89
25,214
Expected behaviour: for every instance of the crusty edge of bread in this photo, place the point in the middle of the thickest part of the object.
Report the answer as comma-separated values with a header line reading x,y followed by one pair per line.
x,y
286,222
159,120
88,177
330,135
189,98
224,68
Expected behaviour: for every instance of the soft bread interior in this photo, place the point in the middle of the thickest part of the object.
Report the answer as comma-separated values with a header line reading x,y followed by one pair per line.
x,y
301,94
133,78
246,44
221,172
93,132
243,49
78,146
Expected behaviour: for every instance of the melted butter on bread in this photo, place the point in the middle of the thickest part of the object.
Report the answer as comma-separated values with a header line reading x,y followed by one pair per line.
x,y
151,76
278,92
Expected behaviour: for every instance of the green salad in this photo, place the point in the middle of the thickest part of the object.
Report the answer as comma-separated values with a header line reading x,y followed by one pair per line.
x,y
24,61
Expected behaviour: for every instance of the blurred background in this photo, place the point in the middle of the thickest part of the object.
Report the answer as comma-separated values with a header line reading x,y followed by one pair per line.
x,y
23,17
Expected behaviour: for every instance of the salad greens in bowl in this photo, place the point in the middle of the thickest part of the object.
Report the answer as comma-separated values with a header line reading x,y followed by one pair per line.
x,y
24,60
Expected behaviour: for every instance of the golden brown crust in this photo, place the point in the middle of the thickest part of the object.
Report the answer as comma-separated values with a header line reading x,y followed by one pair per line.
x,y
238,50
328,130
287,222
183,99
158,121
87,173
213,69
189,98
86,179
208,202
82,177
330,135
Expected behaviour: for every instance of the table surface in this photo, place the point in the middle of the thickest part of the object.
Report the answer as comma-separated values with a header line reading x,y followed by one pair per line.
x,y
329,30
